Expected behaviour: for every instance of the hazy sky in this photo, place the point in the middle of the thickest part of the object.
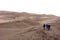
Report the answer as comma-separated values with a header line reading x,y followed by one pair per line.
x,y
33,6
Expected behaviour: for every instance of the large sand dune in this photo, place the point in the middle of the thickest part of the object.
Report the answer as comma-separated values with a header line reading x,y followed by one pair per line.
x,y
27,26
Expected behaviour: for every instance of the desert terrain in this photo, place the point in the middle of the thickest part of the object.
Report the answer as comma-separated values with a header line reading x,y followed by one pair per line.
x,y
28,26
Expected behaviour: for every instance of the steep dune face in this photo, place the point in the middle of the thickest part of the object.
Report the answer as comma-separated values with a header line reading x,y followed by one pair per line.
x,y
26,26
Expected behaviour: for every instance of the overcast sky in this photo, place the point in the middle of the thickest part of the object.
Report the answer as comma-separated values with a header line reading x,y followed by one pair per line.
x,y
32,6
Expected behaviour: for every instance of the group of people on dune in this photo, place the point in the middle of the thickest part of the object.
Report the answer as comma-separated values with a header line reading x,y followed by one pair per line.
x,y
46,26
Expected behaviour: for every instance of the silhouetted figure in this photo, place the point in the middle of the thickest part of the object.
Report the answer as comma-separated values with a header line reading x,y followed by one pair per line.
x,y
44,26
48,27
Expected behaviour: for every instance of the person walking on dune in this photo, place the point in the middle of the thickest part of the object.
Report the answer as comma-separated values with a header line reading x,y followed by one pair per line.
x,y
44,26
47,27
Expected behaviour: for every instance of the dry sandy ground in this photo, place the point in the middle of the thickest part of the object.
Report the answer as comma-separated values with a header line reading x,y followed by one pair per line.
x,y
7,33
30,33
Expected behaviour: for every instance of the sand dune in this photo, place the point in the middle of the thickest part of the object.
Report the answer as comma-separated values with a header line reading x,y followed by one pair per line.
x,y
27,26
